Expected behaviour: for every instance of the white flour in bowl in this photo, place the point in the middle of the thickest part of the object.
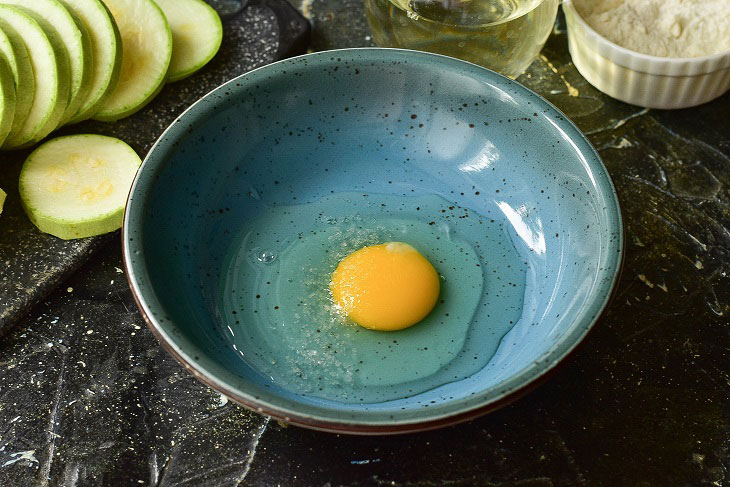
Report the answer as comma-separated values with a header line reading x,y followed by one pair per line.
x,y
667,28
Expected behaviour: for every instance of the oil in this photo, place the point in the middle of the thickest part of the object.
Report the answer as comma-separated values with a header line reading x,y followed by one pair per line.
x,y
503,35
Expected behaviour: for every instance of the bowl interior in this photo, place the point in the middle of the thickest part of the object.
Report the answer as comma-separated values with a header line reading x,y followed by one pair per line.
x,y
386,122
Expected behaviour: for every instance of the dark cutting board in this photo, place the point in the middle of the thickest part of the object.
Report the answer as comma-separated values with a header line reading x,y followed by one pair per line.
x,y
255,33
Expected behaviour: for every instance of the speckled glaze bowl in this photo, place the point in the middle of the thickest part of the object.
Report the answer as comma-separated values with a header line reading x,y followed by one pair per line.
x,y
380,121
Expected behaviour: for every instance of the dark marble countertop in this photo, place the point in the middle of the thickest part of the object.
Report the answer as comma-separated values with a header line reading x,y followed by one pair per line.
x,y
88,397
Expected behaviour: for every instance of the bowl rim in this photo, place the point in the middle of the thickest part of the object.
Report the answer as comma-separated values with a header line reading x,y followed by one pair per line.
x,y
508,391
657,65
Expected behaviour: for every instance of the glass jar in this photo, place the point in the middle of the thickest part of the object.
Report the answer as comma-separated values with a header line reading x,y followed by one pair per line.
x,y
503,35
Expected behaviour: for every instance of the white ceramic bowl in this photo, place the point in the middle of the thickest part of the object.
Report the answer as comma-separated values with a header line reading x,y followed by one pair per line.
x,y
640,79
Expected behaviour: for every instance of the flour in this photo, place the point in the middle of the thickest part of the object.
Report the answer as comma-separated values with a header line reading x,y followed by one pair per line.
x,y
667,28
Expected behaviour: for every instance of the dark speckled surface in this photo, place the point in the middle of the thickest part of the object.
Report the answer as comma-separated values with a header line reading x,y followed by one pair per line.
x,y
87,396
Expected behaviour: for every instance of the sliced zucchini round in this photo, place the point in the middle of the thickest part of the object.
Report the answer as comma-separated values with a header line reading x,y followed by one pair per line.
x,y
2,199
17,56
146,53
51,79
68,36
197,33
106,49
7,99
76,186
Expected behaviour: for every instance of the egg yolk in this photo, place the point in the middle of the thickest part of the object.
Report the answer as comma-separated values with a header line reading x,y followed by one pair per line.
x,y
385,287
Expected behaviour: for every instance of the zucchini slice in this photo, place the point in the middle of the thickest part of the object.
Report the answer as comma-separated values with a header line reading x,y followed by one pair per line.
x,y
146,53
70,39
76,186
51,79
106,53
7,98
16,54
197,33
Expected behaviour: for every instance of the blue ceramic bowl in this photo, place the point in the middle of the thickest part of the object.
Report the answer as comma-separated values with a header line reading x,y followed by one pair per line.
x,y
390,124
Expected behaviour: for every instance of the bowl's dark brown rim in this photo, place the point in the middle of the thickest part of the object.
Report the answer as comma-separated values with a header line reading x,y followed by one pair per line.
x,y
395,428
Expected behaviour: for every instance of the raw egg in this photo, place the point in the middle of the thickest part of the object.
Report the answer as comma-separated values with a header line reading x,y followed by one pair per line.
x,y
308,290
385,287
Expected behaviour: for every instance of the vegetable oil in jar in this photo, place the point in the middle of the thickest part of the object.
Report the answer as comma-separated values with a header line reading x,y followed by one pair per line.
x,y
503,35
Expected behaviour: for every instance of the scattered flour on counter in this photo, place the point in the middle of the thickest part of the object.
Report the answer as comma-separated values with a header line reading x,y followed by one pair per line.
x,y
666,28
22,456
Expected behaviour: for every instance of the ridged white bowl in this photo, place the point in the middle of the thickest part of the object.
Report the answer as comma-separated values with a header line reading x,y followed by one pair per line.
x,y
640,79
